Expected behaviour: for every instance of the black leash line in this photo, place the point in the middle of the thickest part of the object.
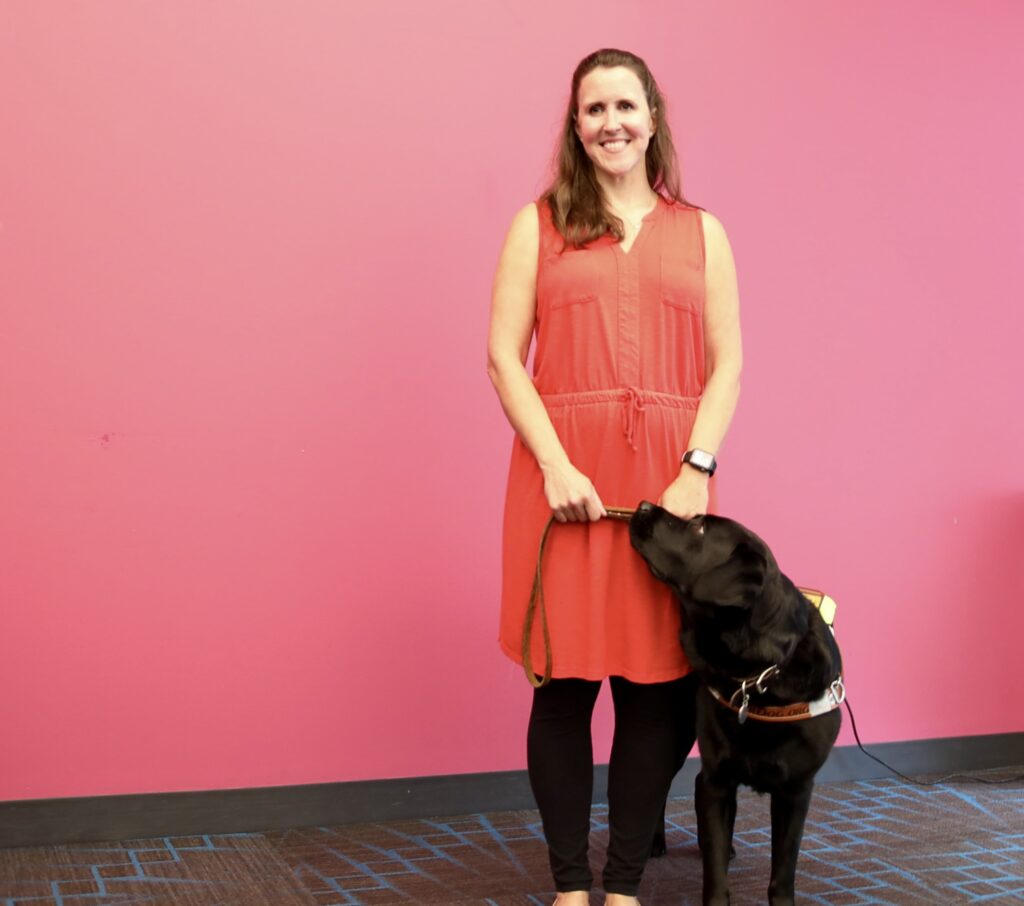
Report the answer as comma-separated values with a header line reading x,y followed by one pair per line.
x,y
966,778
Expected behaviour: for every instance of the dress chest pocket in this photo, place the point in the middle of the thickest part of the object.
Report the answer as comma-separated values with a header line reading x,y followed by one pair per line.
x,y
682,284
682,303
570,281
573,299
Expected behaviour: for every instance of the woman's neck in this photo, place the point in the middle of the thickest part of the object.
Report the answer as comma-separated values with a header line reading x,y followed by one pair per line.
x,y
630,194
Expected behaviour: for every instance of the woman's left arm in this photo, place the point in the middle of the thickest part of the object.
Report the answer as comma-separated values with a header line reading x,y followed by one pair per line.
x,y
687,495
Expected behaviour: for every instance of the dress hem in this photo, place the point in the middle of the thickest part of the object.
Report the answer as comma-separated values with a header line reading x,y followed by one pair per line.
x,y
597,675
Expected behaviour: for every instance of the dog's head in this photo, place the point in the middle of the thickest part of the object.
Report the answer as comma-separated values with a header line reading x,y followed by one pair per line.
x,y
708,560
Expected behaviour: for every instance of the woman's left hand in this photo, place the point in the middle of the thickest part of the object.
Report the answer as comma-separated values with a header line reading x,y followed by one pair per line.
x,y
687,496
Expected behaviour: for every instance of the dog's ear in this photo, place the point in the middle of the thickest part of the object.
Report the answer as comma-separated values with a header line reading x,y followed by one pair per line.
x,y
738,582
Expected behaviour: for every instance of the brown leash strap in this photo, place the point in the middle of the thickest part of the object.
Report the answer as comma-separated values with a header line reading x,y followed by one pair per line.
x,y
537,603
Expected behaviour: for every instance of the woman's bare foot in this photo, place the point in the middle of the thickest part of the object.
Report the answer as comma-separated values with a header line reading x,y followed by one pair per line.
x,y
618,899
572,898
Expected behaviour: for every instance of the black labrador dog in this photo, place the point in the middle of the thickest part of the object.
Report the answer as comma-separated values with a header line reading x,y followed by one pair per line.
x,y
767,710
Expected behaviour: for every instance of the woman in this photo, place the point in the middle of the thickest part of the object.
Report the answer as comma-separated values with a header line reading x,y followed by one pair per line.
x,y
632,292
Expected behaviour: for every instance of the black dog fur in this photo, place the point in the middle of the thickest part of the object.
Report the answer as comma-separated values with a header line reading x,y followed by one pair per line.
x,y
741,615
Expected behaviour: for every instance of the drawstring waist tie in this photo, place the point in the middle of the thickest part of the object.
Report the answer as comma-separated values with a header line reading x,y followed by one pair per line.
x,y
632,399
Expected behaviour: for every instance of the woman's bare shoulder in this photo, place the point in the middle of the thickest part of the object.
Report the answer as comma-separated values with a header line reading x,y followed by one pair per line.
x,y
523,238
527,218
711,223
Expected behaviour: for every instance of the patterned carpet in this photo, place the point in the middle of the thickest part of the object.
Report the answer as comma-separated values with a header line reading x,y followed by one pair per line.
x,y
870,842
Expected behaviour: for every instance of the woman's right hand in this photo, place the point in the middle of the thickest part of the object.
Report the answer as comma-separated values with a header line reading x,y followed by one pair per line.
x,y
571,495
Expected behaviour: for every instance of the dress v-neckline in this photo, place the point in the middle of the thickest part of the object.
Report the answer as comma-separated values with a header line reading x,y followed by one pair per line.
x,y
643,223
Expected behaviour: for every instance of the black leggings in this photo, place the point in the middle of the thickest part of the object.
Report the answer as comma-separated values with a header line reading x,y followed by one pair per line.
x,y
654,732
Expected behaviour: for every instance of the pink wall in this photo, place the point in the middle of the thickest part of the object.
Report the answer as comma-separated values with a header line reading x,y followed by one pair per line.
x,y
252,466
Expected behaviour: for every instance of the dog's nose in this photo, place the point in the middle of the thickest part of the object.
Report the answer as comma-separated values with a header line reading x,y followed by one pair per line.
x,y
645,506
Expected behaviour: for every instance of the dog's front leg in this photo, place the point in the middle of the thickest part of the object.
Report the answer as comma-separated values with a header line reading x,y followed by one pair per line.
x,y
789,811
716,813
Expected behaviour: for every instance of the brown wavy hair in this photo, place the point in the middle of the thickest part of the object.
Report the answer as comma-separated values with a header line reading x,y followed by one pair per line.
x,y
577,202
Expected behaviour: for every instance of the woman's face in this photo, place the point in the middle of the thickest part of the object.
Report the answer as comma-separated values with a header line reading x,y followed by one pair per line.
x,y
613,120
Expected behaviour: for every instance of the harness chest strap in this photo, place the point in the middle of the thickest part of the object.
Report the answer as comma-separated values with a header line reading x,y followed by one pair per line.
x,y
832,699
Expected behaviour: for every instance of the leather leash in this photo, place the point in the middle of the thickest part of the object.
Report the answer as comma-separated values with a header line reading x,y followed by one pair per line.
x,y
623,514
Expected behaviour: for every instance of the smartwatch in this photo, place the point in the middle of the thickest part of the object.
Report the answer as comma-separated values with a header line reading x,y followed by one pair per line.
x,y
701,460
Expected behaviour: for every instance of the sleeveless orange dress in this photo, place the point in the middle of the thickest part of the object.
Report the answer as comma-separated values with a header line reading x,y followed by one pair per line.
x,y
619,366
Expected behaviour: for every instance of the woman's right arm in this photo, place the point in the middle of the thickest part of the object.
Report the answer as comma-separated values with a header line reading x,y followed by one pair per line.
x,y
569,492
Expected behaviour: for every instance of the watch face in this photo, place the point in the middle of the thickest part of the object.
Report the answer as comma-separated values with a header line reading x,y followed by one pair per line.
x,y
701,459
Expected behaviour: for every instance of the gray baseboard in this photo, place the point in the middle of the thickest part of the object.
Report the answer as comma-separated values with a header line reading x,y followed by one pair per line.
x,y
37,822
